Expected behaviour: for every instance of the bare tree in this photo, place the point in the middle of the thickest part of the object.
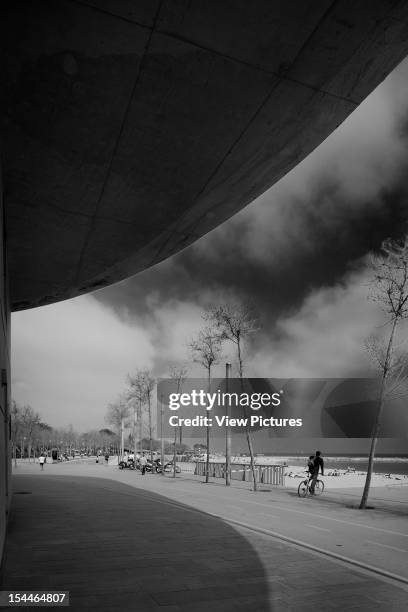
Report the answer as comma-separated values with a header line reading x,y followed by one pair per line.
x,y
26,427
137,395
178,374
107,437
116,415
90,441
16,426
235,323
43,437
150,384
142,385
389,288
206,350
70,438
30,421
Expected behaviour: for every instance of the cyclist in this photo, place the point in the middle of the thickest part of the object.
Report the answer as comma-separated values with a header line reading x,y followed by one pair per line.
x,y
310,465
318,463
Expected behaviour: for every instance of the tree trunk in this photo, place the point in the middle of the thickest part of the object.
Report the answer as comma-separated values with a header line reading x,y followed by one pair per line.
x,y
134,433
150,432
227,431
174,452
161,436
377,424
207,461
122,439
247,428
140,425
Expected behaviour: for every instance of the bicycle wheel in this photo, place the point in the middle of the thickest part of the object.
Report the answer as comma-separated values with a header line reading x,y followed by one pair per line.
x,y
319,488
302,488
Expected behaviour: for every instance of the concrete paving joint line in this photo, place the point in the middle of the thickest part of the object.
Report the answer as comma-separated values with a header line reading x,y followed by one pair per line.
x,y
327,553
322,551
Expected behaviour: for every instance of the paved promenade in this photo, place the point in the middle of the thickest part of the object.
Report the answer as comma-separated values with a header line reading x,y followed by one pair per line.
x,y
117,540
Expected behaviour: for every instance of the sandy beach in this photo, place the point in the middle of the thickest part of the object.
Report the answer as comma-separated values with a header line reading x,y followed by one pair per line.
x,y
333,478
344,479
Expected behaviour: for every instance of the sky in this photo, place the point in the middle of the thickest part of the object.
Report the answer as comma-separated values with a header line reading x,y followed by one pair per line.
x,y
298,254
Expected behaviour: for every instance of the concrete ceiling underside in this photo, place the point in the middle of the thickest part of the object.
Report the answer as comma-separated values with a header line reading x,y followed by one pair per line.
x,y
132,128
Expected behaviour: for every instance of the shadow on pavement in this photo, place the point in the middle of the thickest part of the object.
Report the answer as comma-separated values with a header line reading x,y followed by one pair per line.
x,y
115,547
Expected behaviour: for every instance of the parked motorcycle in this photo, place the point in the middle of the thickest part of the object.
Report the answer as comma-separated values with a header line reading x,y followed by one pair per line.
x,y
155,467
127,464
168,467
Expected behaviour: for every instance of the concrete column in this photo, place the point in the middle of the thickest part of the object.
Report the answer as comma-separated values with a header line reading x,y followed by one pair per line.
x,y
5,429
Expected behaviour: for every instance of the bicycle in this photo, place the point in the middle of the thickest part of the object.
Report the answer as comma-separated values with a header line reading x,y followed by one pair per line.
x,y
304,486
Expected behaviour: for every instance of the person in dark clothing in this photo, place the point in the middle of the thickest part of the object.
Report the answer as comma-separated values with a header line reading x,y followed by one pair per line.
x,y
310,465
318,463
143,464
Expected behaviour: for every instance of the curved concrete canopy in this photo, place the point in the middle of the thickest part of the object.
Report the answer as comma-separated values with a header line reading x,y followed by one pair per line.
x,y
130,128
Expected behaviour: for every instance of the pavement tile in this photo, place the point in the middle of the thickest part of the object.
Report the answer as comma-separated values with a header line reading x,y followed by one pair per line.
x,y
213,593
242,604
114,603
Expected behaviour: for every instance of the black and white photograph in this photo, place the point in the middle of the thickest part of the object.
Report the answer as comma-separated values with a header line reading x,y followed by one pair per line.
x,y
204,305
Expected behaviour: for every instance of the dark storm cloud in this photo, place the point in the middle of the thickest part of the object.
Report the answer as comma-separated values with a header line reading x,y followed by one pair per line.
x,y
303,234
297,253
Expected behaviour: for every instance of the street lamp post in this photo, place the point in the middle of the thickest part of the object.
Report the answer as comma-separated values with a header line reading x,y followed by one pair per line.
x,y
161,433
140,425
122,438
134,433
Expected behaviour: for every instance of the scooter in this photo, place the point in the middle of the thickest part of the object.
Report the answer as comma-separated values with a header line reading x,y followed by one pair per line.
x,y
130,463
155,467
168,467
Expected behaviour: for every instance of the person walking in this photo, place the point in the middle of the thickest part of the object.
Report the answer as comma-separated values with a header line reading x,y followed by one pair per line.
x,y
318,463
42,461
143,463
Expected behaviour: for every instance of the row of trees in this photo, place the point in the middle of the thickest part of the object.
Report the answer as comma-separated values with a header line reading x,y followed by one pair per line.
x,y
130,410
28,433
31,436
232,323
